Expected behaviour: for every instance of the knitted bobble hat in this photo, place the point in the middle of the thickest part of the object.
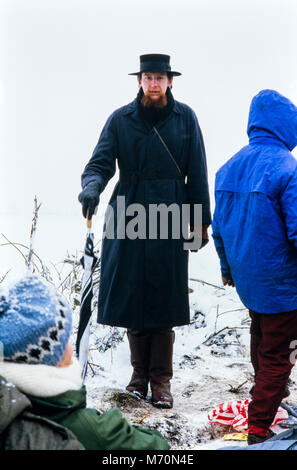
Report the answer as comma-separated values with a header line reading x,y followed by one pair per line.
x,y
35,322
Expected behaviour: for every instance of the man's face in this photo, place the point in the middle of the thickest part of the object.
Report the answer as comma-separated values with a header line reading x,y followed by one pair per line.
x,y
154,84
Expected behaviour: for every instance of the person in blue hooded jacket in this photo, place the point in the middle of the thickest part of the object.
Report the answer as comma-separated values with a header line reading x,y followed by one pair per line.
x,y
255,234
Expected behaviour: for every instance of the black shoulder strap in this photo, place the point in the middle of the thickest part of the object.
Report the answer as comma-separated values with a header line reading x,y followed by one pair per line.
x,y
168,151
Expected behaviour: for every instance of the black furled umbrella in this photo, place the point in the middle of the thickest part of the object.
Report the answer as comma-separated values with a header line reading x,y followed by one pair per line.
x,y
88,262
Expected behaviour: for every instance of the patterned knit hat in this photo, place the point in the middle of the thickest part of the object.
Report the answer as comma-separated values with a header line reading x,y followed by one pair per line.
x,y
35,322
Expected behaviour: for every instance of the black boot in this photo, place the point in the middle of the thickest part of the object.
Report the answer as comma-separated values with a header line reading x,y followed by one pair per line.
x,y
161,370
254,439
140,355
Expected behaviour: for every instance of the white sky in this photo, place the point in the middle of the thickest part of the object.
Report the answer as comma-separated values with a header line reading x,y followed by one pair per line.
x,y
64,68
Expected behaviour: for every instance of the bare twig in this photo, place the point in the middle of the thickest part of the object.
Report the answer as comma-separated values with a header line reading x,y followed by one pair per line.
x,y
58,274
4,276
216,318
71,261
143,418
67,278
225,328
235,310
15,245
236,389
90,365
22,245
44,270
207,283
246,320
216,333
32,233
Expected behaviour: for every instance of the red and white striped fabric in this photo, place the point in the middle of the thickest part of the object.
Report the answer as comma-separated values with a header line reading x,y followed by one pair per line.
x,y
235,413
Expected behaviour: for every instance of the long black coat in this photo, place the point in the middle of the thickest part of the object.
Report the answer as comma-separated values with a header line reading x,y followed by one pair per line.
x,y
144,282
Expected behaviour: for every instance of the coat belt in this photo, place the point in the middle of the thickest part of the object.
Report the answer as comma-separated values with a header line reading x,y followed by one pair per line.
x,y
135,177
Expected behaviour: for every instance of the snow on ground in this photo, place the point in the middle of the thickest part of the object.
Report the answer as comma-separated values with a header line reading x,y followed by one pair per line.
x,y
211,357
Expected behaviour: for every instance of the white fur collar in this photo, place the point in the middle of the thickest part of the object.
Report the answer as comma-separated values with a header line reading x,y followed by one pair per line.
x,y
41,380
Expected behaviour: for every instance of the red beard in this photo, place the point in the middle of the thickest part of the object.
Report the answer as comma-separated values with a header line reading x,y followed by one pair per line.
x,y
148,102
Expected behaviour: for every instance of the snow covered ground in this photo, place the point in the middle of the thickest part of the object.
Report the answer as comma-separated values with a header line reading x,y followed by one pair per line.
x,y
211,358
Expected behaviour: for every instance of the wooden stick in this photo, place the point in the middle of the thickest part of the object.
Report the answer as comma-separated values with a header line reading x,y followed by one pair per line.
x,y
204,282
89,221
236,389
235,310
141,419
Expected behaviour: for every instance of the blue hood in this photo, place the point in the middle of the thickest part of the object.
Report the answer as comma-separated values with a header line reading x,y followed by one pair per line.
x,y
273,113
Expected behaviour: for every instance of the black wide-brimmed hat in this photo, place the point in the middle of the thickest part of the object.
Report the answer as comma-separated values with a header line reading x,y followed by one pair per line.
x,y
150,63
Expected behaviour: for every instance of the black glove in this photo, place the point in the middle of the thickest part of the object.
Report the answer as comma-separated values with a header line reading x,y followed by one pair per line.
x,y
89,198
227,280
205,238
203,243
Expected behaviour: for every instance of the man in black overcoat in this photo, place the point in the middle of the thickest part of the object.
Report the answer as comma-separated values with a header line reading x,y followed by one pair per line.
x,y
158,146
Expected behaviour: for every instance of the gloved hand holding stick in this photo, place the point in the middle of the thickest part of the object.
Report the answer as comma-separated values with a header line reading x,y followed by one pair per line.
x,y
89,198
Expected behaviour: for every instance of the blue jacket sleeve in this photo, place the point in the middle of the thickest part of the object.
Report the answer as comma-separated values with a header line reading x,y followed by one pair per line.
x,y
225,269
197,178
288,202
102,164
